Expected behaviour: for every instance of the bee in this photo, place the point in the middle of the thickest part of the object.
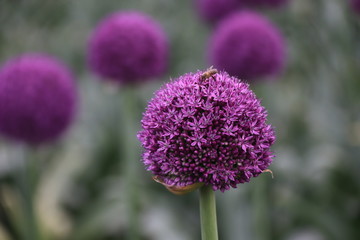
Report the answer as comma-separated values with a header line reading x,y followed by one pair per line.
x,y
210,72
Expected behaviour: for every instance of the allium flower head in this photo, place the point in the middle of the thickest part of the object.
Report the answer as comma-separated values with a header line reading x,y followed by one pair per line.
x,y
214,10
248,46
128,47
37,98
206,129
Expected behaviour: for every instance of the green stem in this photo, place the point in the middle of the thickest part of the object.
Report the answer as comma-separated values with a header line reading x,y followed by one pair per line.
x,y
129,129
208,214
27,186
261,210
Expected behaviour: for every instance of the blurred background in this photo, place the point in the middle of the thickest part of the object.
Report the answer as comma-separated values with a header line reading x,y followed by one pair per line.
x,y
80,190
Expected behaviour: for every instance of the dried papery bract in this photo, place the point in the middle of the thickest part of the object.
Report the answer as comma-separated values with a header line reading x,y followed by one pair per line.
x,y
179,190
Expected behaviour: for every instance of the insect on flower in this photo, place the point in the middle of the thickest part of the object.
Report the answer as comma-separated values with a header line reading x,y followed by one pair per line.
x,y
210,72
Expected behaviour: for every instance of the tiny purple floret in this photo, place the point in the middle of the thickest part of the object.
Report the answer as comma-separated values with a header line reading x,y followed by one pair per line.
x,y
210,131
128,48
38,98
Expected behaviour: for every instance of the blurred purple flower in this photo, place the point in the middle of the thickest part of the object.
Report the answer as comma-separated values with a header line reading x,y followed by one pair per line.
x,y
128,47
214,10
265,3
248,46
222,145
355,4
37,98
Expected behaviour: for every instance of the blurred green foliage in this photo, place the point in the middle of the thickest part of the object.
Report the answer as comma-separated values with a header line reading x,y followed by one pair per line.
x,y
314,106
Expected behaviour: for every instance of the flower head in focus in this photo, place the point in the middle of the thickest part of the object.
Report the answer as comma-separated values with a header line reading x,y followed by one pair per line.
x,y
248,46
128,47
206,128
37,98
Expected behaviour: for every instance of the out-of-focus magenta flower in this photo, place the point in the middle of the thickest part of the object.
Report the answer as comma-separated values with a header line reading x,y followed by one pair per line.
x,y
207,129
128,47
214,10
248,46
265,3
37,98
355,4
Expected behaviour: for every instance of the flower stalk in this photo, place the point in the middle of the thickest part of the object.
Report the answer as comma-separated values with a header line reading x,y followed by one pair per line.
x,y
130,120
261,213
208,214
27,182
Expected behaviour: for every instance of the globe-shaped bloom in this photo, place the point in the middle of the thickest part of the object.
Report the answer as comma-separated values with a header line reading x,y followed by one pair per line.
x,y
37,98
248,46
214,10
128,47
206,129
265,3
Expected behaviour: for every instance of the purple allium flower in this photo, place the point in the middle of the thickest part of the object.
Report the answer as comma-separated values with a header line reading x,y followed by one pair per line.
x,y
265,3
37,98
355,4
206,130
248,46
128,47
214,10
